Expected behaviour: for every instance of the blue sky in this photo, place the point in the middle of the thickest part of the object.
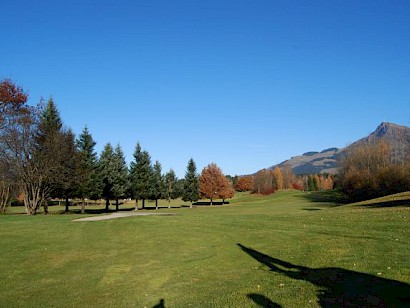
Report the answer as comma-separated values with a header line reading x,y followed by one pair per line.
x,y
244,84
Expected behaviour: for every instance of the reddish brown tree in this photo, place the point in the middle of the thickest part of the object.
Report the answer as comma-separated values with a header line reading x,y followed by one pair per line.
x,y
244,184
12,101
264,182
211,182
14,118
227,190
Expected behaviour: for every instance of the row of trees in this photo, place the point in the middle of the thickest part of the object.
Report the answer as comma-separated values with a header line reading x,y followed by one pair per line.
x,y
316,182
41,159
268,181
375,168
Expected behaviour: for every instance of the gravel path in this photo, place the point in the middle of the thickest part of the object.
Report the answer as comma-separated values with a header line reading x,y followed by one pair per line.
x,y
123,214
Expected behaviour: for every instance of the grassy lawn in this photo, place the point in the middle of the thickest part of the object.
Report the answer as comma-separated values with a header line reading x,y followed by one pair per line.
x,y
289,249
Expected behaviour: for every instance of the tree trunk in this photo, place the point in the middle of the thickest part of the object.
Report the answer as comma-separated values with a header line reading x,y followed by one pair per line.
x,y
5,199
116,204
143,203
211,202
169,203
83,206
32,198
67,204
107,204
190,205
136,204
156,204
223,201
45,206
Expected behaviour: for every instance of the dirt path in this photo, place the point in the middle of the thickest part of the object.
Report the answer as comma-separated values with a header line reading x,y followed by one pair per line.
x,y
123,214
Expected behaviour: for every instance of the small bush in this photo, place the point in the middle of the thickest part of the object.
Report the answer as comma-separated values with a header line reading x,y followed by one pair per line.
x,y
297,186
267,191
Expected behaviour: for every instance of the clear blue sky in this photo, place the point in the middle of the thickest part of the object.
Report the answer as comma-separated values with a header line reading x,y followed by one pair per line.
x,y
244,84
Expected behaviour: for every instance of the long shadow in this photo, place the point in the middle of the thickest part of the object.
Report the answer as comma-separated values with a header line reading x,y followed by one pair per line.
x,y
340,287
97,211
394,203
263,301
161,304
209,203
329,196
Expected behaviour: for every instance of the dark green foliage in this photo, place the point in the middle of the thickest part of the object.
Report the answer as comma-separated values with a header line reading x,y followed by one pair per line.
x,y
113,173
50,118
55,154
140,175
90,185
311,183
191,183
157,184
172,190
107,172
233,179
72,171
120,177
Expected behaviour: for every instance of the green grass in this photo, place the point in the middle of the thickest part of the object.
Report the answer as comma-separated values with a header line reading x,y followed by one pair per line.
x,y
292,248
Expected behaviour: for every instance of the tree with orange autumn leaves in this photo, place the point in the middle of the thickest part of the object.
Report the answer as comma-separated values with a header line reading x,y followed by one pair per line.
x,y
214,185
245,183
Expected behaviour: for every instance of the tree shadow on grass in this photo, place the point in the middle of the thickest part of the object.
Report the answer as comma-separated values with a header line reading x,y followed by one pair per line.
x,y
340,287
326,196
198,203
161,304
393,203
96,211
263,301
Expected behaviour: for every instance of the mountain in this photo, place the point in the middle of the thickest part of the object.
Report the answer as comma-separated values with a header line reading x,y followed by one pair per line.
x,y
326,160
314,162
390,132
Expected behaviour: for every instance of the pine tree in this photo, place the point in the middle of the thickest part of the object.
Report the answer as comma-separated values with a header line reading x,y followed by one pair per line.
x,y
140,175
107,173
191,183
50,152
89,186
120,178
50,120
157,183
171,189
72,168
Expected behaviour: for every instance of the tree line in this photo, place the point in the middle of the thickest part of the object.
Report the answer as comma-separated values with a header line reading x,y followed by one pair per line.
x,y
375,168
41,159
268,181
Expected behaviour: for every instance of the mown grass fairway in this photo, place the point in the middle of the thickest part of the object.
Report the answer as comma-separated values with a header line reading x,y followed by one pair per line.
x,y
283,249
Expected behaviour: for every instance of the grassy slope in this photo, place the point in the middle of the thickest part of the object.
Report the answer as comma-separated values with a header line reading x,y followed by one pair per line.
x,y
193,258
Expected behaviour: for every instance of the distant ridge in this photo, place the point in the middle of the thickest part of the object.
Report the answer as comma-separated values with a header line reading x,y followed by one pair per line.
x,y
326,161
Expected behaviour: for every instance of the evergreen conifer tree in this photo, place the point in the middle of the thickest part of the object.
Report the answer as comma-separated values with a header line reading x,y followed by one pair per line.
x,y
50,153
191,183
72,174
140,175
120,178
89,186
107,173
157,183
171,187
